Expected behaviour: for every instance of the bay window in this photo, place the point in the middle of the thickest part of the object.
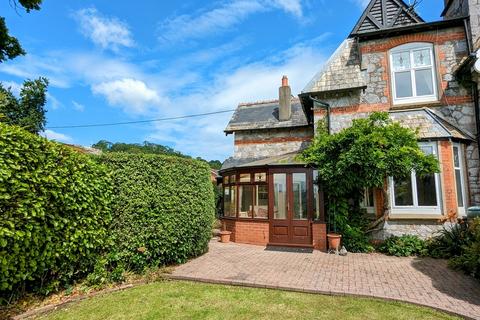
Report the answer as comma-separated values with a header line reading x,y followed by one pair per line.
x,y
413,73
417,194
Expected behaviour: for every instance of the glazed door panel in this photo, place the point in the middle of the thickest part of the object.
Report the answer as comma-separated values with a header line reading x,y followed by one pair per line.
x,y
290,203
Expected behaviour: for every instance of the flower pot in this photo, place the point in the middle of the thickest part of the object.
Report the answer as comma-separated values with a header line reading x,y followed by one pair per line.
x,y
334,241
225,236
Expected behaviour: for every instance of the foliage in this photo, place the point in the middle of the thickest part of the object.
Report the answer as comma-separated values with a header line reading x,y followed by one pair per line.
x,y
54,206
359,157
469,259
147,148
28,111
162,210
403,246
450,242
9,46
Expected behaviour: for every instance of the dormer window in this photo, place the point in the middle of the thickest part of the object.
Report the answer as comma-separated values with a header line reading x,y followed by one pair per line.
x,y
413,73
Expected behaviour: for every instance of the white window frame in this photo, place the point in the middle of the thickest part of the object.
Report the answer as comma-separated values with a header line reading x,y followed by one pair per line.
x,y
415,208
411,47
364,203
461,167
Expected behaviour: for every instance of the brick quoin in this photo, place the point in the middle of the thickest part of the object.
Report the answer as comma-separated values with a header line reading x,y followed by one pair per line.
x,y
397,41
273,140
448,177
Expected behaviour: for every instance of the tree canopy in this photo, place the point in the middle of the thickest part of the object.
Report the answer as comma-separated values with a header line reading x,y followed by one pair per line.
x,y
27,111
10,46
147,148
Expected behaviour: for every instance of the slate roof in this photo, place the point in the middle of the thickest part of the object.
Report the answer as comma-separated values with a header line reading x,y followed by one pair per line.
x,y
264,115
429,125
340,72
280,160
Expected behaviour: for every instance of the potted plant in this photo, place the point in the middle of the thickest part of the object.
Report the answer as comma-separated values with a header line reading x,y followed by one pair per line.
x,y
224,234
334,241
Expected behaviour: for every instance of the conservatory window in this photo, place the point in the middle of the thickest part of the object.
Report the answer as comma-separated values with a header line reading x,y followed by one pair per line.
x,y
417,193
413,73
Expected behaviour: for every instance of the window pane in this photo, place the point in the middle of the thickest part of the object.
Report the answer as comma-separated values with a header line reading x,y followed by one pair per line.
x,y
424,82
299,196
245,194
233,179
260,177
426,190
316,196
401,61
280,195
403,192
233,205
244,177
458,181
456,157
421,58
403,84
225,180
261,203
226,202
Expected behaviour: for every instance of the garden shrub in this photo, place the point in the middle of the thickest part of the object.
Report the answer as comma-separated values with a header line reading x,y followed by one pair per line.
x,y
163,208
54,207
450,242
469,259
403,246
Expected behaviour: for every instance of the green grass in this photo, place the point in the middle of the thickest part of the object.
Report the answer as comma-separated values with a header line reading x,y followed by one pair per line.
x,y
189,300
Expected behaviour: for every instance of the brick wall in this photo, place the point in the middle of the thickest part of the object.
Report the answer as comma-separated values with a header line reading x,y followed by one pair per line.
x,y
251,232
448,178
319,236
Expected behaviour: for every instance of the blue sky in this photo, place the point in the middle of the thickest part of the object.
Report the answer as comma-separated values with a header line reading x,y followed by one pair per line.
x,y
115,61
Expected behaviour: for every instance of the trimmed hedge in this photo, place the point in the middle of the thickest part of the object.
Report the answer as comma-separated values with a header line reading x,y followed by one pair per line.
x,y
163,208
54,212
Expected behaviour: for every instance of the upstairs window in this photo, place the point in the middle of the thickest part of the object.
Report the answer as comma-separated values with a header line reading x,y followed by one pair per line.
x,y
413,73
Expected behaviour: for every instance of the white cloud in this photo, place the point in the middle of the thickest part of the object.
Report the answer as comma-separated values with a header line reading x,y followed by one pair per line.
x,y
53,102
220,19
108,33
78,106
52,135
133,95
14,86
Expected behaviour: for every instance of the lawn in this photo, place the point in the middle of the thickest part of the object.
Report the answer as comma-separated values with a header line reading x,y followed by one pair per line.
x,y
189,300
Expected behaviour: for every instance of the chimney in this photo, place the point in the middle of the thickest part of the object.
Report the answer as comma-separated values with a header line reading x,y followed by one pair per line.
x,y
285,100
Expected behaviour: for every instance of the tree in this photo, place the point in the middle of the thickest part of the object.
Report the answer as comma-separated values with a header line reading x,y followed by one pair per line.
x,y
28,111
9,46
359,157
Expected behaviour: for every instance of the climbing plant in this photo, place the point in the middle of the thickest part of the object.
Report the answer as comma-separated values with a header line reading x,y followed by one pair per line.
x,y
363,156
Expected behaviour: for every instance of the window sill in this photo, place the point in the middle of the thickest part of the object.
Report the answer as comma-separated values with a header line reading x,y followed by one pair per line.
x,y
415,216
415,105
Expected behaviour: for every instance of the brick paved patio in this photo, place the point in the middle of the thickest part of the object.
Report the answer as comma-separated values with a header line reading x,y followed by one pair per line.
x,y
418,280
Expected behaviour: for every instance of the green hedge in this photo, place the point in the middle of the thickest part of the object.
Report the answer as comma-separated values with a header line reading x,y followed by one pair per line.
x,y
163,208
54,212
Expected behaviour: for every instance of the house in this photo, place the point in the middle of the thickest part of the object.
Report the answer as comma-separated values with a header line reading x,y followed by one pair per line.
x,y
393,61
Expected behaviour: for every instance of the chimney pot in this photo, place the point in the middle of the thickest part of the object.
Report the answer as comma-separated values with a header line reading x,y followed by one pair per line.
x,y
284,100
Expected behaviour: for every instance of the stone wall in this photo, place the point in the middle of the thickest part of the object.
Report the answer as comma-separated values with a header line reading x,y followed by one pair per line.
x,y
423,228
455,100
269,143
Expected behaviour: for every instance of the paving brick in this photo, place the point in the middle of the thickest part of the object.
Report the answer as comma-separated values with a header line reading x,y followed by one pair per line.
x,y
422,281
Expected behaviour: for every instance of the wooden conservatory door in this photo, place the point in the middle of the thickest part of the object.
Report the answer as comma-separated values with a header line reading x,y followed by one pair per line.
x,y
289,219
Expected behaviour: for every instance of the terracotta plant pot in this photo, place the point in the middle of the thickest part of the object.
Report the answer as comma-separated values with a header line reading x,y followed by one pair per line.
x,y
334,241
225,236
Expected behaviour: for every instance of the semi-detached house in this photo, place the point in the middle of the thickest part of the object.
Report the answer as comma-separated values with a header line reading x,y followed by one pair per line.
x,y
422,74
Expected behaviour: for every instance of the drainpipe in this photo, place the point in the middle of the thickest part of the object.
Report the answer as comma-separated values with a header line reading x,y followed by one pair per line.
x,y
477,111
325,106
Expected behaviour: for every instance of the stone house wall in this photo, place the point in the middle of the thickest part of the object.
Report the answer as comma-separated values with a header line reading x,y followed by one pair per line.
x,y
455,100
270,143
